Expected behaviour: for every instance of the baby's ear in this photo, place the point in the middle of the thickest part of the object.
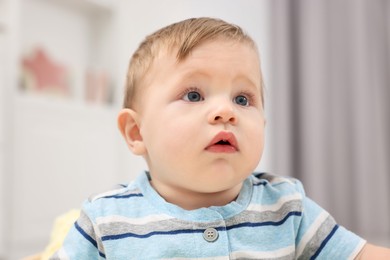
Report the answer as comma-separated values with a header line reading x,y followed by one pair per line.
x,y
129,126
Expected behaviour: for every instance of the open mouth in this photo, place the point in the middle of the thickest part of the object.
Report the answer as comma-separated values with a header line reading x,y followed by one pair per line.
x,y
223,142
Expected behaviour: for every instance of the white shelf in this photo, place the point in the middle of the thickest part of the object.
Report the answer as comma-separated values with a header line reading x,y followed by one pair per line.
x,y
53,103
89,6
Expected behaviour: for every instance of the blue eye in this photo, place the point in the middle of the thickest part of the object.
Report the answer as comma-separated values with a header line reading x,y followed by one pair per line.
x,y
241,100
193,96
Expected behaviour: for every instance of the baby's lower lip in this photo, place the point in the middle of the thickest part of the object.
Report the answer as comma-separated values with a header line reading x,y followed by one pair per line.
x,y
220,148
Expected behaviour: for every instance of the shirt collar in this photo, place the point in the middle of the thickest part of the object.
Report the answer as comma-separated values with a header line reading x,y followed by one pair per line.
x,y
213,213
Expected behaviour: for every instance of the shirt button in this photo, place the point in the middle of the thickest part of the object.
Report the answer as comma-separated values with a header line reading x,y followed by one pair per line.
x,y
210,234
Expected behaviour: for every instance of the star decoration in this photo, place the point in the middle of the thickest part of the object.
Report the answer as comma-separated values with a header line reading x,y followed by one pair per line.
x,y
44,75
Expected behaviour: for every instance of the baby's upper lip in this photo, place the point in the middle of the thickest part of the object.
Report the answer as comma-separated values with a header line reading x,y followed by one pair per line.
x,y
226,137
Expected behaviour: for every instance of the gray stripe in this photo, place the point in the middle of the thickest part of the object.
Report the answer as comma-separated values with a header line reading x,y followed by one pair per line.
x,y
122,227
274,216
117,228
315,242
86,225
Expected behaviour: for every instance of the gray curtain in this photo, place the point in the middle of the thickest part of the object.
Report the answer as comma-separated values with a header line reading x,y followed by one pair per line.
x,y
330,106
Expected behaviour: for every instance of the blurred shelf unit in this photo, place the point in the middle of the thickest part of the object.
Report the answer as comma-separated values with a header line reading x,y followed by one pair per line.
x,y
90,6
59,85
64,50
60,107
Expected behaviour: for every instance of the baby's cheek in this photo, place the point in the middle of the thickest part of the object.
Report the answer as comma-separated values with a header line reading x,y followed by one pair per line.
x,y
256,141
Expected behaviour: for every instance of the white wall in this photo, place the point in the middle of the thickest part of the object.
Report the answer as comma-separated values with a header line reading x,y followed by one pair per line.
x,y
2,108
8,45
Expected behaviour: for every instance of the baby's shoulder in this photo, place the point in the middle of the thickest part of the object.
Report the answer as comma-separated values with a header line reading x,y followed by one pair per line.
x,y
120,200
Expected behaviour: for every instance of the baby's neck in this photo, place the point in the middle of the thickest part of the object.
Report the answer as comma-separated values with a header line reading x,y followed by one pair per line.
x,y
190,200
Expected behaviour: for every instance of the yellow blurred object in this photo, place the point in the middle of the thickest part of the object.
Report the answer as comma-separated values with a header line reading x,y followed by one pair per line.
x,y
33,257
61,228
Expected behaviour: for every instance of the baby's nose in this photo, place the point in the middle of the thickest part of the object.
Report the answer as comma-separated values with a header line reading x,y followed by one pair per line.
x,y
223,113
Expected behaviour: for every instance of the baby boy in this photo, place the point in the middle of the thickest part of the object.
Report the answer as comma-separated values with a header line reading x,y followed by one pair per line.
x,y
194,109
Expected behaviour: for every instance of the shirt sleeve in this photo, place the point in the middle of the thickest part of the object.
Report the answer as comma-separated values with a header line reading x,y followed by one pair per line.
x,y
320,237
82,241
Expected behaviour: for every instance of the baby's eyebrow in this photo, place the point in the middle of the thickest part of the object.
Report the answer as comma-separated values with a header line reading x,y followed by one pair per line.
x,y
199,73
248,83
196,74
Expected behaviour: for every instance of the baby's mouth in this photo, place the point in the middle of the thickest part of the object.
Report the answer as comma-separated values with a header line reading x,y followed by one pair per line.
x,y
223,142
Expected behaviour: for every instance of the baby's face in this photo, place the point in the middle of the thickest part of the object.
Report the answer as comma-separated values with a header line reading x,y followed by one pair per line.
x,y
201,119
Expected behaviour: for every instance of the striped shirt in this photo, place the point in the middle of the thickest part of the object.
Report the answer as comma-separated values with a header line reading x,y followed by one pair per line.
x,y
270,219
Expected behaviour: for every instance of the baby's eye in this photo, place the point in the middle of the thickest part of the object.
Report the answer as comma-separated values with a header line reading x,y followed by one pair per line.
x,y
193,96
241,100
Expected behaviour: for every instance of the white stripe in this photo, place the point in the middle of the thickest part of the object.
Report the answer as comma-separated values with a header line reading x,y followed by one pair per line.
x,y
62,254
278,180
276,206
311,231
357,250
199,258
134,221
263,254
110,193
98,234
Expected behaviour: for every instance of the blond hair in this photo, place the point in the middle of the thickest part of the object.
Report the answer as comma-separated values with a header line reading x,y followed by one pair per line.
x,y
183,36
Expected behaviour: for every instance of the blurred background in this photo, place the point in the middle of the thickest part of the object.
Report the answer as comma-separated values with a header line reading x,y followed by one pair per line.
x,y
326,66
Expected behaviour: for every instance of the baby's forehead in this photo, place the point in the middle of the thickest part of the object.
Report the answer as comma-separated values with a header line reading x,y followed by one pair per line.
x,y
174,49
240,59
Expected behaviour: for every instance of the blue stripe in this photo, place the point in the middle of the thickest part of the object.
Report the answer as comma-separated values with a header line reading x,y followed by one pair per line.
x,y
192,231
323,244
85,235
88,237
260,183
124,196
174,232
